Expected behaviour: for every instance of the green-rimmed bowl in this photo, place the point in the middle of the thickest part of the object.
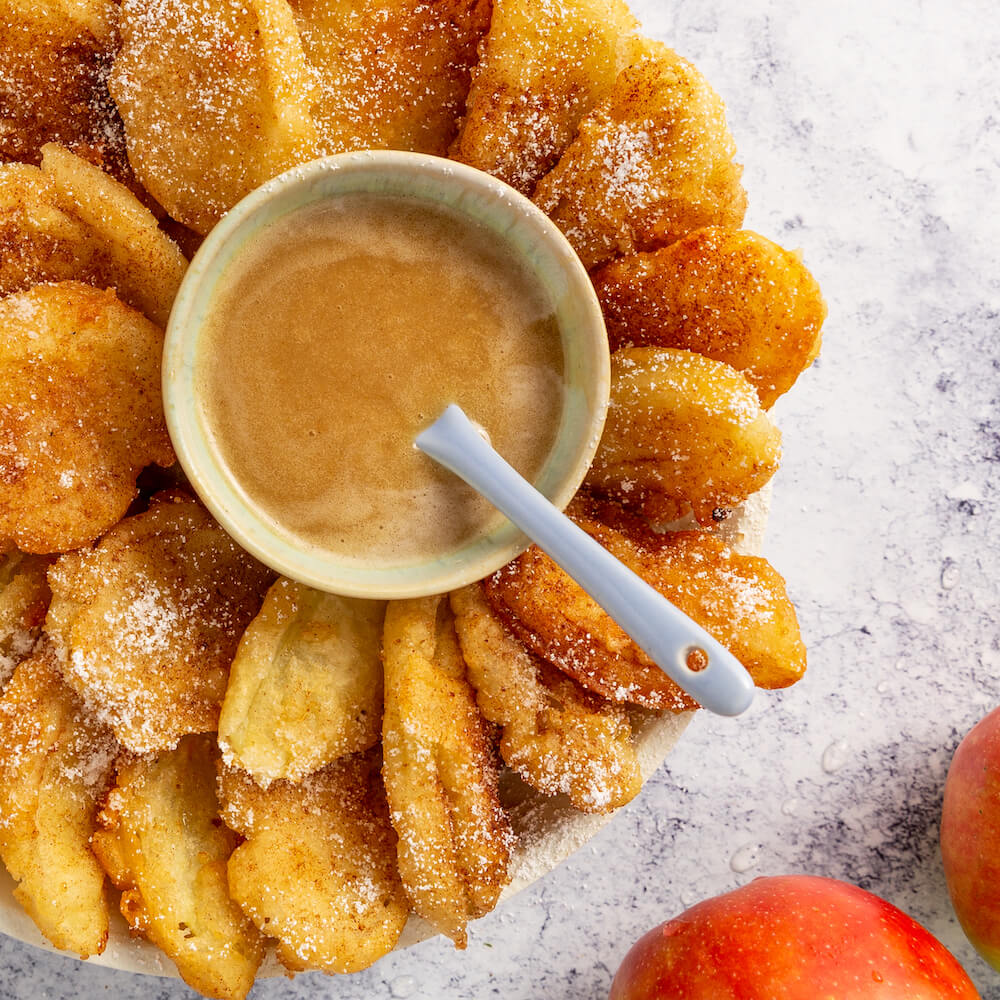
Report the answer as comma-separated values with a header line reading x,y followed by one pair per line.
x,y
518,225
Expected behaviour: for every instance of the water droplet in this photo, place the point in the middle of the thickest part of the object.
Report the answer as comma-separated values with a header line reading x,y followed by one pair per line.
x,y
790,807
882,687
747,857
403,986
949,574
688,898
834,757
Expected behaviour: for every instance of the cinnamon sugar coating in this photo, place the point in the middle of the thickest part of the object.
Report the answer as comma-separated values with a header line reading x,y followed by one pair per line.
x,y
80,413
739,600
306,685
54,63
161,842
559,737
318,869
651,163
390,74
55,764
24,599
215,96
684,434
730,295
147,621
440,772
544,65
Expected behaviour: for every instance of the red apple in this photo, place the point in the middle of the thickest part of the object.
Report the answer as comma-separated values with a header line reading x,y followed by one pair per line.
x,y
792,937
970,836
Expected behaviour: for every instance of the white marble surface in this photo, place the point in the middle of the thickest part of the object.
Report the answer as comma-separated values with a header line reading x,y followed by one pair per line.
x,y
871,134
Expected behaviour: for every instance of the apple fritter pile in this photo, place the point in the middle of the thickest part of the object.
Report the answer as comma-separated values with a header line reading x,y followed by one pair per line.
x,y
241,763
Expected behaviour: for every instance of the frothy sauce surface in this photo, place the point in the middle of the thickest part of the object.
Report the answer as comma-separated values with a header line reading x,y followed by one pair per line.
x,y
344,330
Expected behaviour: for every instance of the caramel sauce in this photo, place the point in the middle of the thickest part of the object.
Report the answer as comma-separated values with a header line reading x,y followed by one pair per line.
x,y
344,330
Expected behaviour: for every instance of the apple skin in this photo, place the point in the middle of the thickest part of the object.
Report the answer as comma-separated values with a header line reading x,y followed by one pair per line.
x,y
970,836
791,937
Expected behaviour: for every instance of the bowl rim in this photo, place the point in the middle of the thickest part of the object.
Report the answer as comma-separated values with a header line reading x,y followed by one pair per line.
x,y
482,198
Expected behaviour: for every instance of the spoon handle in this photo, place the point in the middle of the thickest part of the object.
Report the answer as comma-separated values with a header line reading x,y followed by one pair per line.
x,y
661,630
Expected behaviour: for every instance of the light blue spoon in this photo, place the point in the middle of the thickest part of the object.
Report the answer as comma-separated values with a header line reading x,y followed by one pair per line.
x,y
667,636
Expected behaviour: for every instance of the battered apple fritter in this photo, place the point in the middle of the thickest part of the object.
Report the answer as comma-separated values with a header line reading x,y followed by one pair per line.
x,y
39,241
70,220
54,62
544,65
161,842
215,96
739,600
683,433
318,869
306,685
147,621
558,737
391,74
440,772
651,163
142,263
55,764
24,599
80,413
731,295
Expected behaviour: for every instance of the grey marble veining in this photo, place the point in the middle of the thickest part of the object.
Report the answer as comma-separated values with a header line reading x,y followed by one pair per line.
x,y
871,135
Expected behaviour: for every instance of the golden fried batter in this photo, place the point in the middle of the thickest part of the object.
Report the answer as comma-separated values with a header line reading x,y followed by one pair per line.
x,y
148,620
739,600
683,433
143,264
558,737
731,295
70,220
544,65
306,685
24,599
651,163
55,764
440,772
80,413
161,842
318,869
215,96
38,240
54,62
392,74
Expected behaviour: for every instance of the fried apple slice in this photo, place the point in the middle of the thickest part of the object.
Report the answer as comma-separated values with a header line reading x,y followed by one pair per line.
x,y
392,74
683,433
148,620
54,62
161,842
39,241
143,264
558,737
306,685
731,295
215,97
651,163
55,764
70,220
80,413
544,66
24,599
318,869
440,772
740,600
